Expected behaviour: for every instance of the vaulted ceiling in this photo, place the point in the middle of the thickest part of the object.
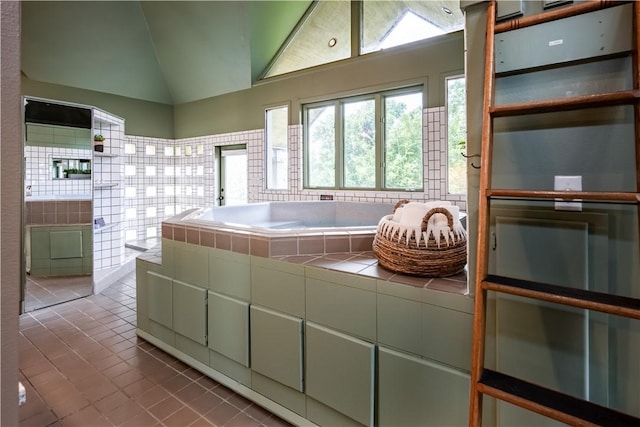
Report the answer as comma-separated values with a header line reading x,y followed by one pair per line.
x,y
174,52
170,52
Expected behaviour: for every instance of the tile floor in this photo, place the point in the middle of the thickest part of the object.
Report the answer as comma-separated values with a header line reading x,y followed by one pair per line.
x,y
82,365
43,292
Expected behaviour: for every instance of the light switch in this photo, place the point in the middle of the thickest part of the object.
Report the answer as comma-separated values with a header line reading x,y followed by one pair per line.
x,y
568,183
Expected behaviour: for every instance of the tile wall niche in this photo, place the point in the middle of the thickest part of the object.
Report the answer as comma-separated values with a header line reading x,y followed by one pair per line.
x,y
39,171
164,177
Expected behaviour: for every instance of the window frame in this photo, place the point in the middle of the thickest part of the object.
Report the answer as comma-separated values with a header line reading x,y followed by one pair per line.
x,y
447,78
380,137
267,146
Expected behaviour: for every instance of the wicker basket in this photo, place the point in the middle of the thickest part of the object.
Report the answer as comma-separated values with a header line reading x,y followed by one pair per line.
x,y
430,257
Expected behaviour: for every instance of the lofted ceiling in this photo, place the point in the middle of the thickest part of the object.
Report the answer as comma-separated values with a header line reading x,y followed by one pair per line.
x,y
171,52
174,52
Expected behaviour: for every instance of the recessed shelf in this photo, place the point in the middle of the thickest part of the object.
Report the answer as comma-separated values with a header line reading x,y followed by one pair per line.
x,y
106,227
99,185
102,154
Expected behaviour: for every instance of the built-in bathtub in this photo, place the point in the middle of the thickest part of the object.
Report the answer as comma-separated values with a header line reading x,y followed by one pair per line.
x,y
281,228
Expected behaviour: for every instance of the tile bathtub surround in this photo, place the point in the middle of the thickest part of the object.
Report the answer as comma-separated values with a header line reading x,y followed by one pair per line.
x,y
58,212
349,252
82,365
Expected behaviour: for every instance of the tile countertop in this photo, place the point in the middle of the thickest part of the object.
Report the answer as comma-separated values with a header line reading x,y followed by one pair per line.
x,y
362,264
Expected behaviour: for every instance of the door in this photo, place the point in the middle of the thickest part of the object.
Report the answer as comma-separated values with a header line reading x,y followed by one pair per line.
x,y
233,175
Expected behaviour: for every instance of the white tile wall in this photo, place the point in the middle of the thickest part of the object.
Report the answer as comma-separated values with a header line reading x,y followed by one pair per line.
x,y
186,174
39,171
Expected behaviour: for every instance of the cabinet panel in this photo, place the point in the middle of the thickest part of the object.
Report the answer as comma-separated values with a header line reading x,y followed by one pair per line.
x,y
340,372
160,302
230,273
191,264
229,327
416,392
276,346
189,311
278,285
344,308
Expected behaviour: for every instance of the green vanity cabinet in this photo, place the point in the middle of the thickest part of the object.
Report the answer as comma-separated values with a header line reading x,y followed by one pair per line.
x,y
160,306
432,324
277,357
417,392
230,274
340,374
228,328
190,311
346,303
59,250
278,285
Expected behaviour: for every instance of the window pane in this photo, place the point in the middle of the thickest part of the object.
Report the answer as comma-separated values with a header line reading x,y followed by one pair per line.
x,y
277,154
392,23
360,144
456,135
403,141
321,139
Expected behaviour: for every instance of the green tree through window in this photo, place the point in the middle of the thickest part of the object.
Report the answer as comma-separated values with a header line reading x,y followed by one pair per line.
x,y
346,148
457,134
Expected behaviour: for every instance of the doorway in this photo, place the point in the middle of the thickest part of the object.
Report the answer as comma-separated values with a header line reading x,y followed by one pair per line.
x,y
57,236
233,189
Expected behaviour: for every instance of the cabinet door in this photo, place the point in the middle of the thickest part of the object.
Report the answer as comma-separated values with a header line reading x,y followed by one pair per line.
x,y
418,392
276,346
190,311
160,302
229,327
340,372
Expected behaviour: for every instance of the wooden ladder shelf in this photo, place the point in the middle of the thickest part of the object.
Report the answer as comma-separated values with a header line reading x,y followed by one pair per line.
x,y
547,402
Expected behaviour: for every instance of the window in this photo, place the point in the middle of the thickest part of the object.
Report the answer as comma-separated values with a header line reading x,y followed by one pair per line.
x,y
324,33
277,157
320,130
345,147
456,134
403,142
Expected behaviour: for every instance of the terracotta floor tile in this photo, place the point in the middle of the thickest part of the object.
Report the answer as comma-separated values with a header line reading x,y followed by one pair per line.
x,y
190,392
206,402
88,416
44,418
83,365
183,417
165,408
111,401
222,413
124,412
150,397
242,420
143,419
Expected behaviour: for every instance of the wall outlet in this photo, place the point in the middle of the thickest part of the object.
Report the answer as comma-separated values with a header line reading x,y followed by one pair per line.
x,y
568,183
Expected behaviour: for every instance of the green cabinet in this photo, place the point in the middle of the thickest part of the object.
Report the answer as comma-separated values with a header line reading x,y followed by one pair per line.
x,y
228,324
62,250
340,373
346,303
160,299
418,392
190,311
276,346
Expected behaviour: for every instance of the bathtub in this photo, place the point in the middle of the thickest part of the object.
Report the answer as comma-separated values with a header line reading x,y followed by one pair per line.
x,y
274,229
302,216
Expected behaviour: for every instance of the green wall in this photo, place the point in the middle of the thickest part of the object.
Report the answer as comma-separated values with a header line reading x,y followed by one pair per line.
x,y
426,62
142,118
